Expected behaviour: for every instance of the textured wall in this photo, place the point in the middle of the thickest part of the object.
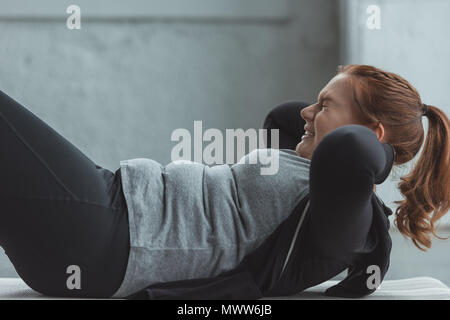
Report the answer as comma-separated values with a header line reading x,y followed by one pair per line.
x,y
117,89
414,42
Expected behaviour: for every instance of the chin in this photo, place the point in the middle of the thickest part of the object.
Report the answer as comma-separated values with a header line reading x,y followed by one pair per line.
x,y
303,150
299,149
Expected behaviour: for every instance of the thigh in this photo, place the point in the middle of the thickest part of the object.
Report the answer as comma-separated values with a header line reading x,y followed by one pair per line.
x,y
286,118
45,238
38,162
344,167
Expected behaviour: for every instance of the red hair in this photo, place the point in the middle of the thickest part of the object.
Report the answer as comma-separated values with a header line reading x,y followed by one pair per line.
x,y
388,98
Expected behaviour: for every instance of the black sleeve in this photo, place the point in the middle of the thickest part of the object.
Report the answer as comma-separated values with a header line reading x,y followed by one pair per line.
x,y
286,118
389,153
344,167
348,223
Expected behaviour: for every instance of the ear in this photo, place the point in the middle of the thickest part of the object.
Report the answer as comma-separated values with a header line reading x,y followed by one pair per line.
x,y
379,131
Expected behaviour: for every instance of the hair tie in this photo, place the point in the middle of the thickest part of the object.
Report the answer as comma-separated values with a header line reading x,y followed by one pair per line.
x,y
425,110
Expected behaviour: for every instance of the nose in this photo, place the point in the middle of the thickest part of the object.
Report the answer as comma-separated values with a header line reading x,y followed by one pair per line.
x,y
308,113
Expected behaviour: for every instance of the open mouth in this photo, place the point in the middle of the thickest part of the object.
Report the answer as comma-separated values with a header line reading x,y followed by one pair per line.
x,y
308,134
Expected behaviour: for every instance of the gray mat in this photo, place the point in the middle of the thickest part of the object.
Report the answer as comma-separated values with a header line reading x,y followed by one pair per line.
x,y
406,289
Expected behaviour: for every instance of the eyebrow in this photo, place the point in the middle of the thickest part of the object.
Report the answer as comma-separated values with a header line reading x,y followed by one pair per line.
x,y
325,98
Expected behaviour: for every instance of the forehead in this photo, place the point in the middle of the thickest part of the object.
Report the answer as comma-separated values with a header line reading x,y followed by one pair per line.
x,y
338,90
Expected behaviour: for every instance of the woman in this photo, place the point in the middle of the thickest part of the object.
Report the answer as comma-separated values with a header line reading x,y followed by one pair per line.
x,y
147,224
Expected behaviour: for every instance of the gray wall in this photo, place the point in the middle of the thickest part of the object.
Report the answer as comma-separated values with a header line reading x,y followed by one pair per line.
x,y
117,88
414,42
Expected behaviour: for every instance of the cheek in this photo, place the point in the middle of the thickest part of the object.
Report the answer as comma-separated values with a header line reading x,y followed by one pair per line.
x,y
322,126
327,122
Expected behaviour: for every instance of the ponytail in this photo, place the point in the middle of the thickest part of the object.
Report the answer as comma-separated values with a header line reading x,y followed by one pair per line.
x,y
426,189
387,98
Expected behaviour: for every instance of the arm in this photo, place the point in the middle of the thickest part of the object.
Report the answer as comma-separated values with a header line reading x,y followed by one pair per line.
x,y
286,118
344,168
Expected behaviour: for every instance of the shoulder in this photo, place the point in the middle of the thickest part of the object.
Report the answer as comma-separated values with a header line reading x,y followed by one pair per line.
x,y
259,155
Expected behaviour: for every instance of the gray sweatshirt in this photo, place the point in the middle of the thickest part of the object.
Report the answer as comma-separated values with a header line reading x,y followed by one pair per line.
x,y
188,220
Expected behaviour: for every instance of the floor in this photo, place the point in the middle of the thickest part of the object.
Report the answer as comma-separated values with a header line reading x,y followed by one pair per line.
x,y
423,288
406,260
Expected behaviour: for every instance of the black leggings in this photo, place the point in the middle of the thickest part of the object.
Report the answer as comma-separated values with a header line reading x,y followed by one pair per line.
x,y
344,167
58,209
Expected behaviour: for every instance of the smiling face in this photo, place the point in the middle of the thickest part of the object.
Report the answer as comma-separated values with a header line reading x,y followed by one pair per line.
x,y
335,108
